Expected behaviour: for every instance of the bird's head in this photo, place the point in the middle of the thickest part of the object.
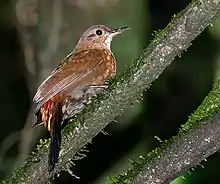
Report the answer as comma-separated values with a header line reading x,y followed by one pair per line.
x,y
98,36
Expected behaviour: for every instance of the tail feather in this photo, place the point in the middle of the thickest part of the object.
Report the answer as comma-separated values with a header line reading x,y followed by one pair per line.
x,y
55,142
54,148
39,119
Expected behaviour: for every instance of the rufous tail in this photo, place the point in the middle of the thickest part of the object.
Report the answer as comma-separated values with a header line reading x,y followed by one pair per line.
x,y
50,115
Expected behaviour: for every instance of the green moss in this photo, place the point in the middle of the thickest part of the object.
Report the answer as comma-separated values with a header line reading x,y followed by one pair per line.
x,y
209,107
136,166
21,173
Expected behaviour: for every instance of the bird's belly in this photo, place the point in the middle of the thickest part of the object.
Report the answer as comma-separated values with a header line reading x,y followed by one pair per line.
x,y
79,98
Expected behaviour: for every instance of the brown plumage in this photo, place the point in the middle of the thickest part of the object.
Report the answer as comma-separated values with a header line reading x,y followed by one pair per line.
x,y
81,74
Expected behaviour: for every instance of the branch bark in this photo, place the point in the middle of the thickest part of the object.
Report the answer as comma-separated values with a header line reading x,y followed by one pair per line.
x,y
183,154
197,139
125,90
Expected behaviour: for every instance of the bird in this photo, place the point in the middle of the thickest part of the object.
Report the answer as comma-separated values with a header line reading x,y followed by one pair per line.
x,y
81,75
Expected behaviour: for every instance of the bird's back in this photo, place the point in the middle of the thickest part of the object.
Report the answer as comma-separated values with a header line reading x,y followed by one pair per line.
x,y
87,67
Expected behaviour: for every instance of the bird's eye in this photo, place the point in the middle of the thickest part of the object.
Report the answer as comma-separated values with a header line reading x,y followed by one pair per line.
x,y
99,32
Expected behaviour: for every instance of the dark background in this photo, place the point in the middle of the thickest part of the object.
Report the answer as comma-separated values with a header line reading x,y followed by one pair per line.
x,y
27,57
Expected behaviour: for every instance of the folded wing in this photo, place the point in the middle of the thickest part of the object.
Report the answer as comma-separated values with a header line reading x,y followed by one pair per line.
x,y
74,68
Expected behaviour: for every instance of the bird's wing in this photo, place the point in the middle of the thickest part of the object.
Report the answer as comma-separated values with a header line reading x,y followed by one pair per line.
x,y
73,69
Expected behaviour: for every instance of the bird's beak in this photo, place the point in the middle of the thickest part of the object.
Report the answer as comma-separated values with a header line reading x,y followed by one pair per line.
x,y
117,31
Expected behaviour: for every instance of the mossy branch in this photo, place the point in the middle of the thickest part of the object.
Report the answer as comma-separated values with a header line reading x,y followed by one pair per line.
x,y
124,91
197,139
